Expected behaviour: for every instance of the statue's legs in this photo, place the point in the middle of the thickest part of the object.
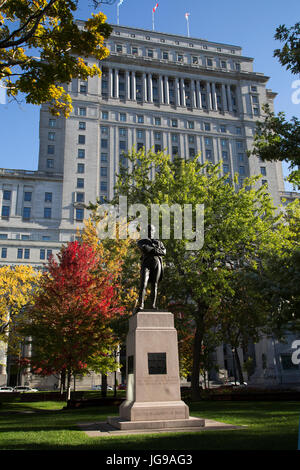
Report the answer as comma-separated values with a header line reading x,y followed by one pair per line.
x,y
143,286
154,286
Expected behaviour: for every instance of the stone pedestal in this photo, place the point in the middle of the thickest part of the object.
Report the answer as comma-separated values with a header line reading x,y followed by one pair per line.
x,y
153,384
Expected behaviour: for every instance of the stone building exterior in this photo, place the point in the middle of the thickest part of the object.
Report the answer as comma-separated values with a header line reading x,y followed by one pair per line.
x,y
187,96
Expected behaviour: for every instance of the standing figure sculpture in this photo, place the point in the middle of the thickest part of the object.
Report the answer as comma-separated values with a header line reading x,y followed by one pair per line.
x,y
151,267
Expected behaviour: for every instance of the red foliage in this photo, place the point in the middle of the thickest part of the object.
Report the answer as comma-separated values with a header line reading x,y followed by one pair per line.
x,y
72,310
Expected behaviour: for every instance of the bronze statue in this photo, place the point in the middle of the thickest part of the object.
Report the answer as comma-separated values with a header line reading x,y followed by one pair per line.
x,y
151,267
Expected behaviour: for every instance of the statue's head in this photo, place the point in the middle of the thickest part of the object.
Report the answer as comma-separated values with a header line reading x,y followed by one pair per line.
x,y
151,231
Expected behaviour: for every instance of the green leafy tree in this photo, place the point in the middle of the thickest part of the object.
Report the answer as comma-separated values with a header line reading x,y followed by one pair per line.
x,y
42,47
237,224
276,138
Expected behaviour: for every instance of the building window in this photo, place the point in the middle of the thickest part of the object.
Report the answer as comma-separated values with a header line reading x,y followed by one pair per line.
x,y
140,146
209,62
24,237
119,48
174,123
225,168
81,153
255,111
3,236
264,183
49,253
5,212
123,117
103,171
104,143
79,215
50,149
103,186
103,157
50,163
80,167
82,111
179,57
255,99
122,132
192,152
240,157
82,125
157,121
238,130
48,197
26,253
191,139
207,126
104,115
174,150
46,238
79,197
238,66
157,135
223,64
174,137
263,171
224,143
140,119
81,139
195,60
26,213
83,89
208,154
20,253
134,50
104,130
208,141
239,145
47,212
157,148
191,125
140,134
51,135
223,129
3,252
242,170
122,145
150,53
27,196
6,195
42,253
80,183
52,122
254,88
224,155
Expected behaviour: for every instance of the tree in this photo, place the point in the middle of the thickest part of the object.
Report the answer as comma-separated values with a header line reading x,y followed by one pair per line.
x,y
238,222
42,46
276,138
17,287
69,320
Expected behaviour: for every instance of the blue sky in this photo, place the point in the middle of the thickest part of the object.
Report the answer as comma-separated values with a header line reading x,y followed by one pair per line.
x,y
250,25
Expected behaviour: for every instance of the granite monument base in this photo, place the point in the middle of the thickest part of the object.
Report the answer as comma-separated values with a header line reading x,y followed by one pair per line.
x,y
153,383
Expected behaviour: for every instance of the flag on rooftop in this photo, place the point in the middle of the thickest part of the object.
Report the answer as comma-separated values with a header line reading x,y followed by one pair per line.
x,y
155,8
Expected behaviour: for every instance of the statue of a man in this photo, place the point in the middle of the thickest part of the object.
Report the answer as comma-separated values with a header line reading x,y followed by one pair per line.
x,y
151,267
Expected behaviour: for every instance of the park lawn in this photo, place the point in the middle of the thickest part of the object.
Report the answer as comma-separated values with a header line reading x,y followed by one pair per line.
x,y
47,426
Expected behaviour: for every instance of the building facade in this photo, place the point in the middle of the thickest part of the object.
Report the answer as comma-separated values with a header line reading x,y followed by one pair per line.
x,y
160,91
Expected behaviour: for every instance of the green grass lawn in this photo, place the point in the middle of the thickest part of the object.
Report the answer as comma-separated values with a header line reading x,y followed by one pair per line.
x,y
46,426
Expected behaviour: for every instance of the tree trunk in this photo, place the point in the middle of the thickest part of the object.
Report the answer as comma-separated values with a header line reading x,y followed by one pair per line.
x,y
198,338
238,366
68,386
62,382
104,385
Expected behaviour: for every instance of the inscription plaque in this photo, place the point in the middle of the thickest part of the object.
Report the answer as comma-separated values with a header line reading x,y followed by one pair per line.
x,y
157,363
130,364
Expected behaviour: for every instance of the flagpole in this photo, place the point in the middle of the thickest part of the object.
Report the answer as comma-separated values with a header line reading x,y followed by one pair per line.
x,y
188,25
118,14
152,20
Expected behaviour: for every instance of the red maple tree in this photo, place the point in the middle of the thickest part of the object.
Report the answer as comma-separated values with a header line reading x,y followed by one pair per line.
x,y
69,322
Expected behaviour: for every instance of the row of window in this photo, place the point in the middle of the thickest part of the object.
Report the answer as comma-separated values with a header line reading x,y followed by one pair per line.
x,y
26,214
177,43
27,196
24,253
179,57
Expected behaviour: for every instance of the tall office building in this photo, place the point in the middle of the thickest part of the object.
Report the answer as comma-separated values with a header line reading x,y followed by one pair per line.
x,y
162,91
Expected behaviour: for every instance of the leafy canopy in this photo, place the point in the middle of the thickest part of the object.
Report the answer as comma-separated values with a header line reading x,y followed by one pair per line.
x,y
42,47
